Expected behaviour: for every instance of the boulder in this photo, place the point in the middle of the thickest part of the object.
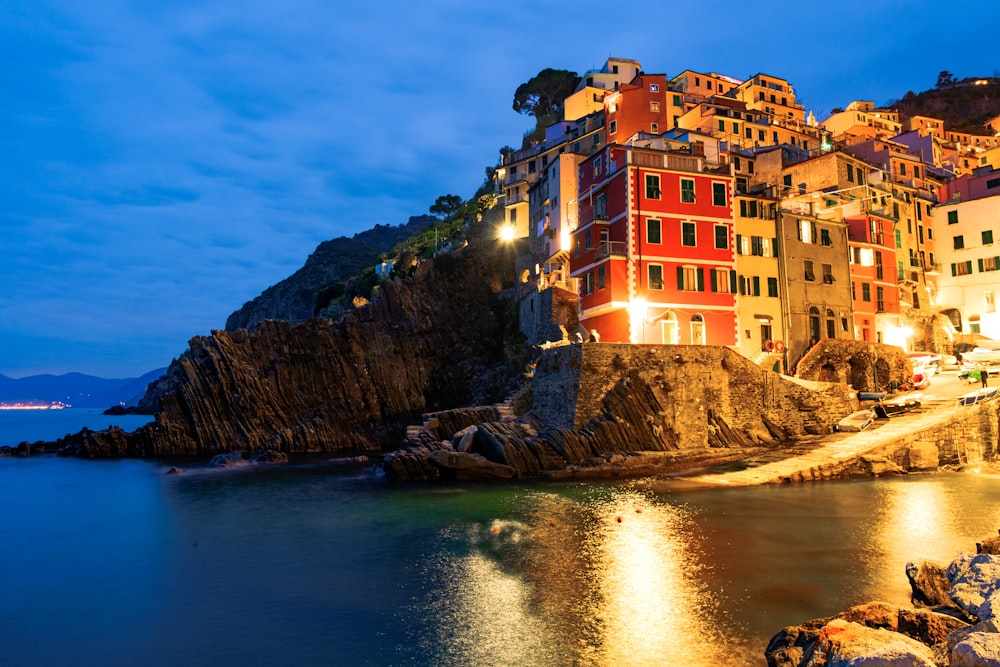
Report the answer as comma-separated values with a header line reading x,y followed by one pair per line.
x,y
922,456
845,644
973,578
470,466
928,584
977,649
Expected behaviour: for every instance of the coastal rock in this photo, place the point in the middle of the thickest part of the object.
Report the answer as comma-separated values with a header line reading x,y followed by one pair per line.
x,y
977,649
973,578
460,465
929,584
825,638
353,386
843,643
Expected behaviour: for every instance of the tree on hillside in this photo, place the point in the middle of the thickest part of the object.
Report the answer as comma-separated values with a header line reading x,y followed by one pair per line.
x,y
945,78
446,206
542,95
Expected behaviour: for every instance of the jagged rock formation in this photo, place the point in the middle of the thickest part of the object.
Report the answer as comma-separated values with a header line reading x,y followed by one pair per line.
x,y
294,298
427,343
623,410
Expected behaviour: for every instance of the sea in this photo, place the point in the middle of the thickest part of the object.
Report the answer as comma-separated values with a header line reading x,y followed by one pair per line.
x,y
120,563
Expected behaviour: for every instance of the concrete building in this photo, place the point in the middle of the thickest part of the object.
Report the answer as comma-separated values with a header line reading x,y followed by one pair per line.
x,y
969,250
654,249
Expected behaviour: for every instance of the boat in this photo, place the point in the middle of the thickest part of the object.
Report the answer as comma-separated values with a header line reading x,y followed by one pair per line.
x,y
896,407
977,359
920,380
856,421
977,396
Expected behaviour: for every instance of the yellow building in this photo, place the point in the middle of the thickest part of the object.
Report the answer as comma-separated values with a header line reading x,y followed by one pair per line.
x,y
758,299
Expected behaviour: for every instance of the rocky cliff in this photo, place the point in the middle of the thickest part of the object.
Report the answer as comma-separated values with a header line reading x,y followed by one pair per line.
x,y
431,341
294,299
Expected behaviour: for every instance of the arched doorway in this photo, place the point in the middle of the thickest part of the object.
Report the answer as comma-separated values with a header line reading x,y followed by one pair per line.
x,y
831,324
669,329
698,333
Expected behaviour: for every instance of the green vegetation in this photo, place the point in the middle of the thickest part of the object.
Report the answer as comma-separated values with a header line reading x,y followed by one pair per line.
x,y
964,105
542,96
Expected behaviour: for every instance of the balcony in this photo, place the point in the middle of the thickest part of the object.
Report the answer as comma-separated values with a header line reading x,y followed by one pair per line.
x,y
611,249
933,269
661,160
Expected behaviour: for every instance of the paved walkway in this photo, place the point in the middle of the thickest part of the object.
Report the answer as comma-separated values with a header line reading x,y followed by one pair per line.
x,y
937,405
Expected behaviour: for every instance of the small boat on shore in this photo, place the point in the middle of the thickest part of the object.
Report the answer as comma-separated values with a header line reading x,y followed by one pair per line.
x,y
896,407
977,396
856,421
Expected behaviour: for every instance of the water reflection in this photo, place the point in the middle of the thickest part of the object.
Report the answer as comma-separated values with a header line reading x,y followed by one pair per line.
x,y
609,580
922,518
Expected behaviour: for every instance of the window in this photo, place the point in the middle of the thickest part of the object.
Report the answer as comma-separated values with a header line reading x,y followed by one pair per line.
x,y
831,326
952,217
722,125
880,299
808,273
688,236
772,287
601,277
719,194
750,285
588,282
742,245
962,268
721,281
959,242
597,166
652,186
677,100
824,237
654,128
588,240
601,207
989,264
614,125
993,183
807,231
697,330
989,302
866,292
654,107
988,237
687,190
655,276
653,231
721,237
828,274
690,279
899,238
850,173
787,180
654,87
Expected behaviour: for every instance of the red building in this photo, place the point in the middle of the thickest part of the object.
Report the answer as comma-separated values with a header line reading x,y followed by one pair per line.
x,y
646,104
654,248
873,276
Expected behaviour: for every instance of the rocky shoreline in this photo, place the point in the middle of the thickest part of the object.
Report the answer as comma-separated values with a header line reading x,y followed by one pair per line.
x,y
954,622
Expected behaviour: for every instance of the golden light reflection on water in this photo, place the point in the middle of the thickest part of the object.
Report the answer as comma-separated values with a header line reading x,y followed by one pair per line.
x,y
613,581
917,520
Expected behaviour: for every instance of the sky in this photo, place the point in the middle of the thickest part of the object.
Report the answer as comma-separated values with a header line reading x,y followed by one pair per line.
x,y
161,163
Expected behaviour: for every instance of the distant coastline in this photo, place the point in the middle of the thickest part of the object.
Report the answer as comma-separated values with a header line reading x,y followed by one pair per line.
x,y
57,405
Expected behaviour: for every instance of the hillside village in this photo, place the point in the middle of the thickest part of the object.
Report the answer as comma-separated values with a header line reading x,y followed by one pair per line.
x,y
701,209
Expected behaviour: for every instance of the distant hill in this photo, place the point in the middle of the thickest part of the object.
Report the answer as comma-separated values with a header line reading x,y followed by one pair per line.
x,y
76,389
294,299
964,105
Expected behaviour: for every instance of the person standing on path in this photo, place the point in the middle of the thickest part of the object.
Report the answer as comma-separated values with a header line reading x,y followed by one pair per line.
x,y
984,375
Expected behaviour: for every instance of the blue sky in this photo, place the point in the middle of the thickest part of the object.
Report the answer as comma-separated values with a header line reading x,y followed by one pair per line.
x,y
163,163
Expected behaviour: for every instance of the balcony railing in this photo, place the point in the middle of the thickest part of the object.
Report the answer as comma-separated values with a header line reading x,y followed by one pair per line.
x,y
611,249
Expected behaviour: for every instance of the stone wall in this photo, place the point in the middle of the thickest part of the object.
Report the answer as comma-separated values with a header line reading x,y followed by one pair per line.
x,y
699,389
970,436
542,312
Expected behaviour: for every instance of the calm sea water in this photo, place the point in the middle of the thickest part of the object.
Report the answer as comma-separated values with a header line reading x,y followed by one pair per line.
x,y
117,563
17,426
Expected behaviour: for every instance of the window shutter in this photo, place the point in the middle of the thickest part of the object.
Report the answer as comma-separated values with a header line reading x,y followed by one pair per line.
x,y
980,264
701,279
743,290
774,246
739,244
968,266
953,271
680,277
756,285
715,282
732,281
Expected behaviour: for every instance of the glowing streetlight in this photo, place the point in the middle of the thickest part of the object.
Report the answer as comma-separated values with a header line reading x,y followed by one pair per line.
x,y
507,233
